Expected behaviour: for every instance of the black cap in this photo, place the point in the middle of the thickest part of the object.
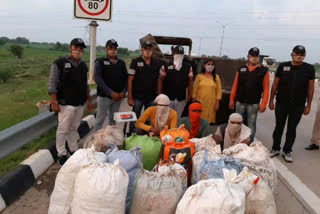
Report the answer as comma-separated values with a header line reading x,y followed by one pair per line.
x,y
112,42
146,44
78,42
178,49
299,49
254,51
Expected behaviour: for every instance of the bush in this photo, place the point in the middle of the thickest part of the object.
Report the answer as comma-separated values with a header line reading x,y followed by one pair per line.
x,y
16,50
5,74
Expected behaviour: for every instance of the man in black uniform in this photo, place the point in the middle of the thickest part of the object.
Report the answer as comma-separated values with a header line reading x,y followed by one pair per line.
x,y
174,79
293,85
111,77
142,81
69,92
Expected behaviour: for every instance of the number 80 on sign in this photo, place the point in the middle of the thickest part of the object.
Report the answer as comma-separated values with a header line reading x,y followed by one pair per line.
x,y
93,9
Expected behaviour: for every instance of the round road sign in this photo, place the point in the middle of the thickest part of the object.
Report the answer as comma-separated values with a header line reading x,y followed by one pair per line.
x,y
93,7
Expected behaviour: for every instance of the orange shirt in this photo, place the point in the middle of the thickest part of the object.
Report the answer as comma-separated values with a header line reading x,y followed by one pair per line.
x,y
266,85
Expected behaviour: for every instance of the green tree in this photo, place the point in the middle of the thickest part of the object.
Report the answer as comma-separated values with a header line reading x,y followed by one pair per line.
x,y
2,42
16,50
123,52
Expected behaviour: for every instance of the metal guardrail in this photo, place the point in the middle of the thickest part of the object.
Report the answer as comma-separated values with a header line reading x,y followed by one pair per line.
x,y
21,134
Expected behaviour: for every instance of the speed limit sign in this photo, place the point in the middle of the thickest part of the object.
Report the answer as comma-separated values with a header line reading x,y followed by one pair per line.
x,y
93,9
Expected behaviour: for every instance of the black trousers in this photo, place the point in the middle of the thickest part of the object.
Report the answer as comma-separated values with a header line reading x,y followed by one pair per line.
x,y
284,112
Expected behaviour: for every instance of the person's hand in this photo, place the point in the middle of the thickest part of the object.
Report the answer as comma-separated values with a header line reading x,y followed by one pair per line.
x,y
130,101
217,106
307,110
55,106
122,95
156,132
271,105
115,96
231,105
262,109
89,105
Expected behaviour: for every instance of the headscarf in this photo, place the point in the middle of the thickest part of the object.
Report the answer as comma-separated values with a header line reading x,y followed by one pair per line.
x,y
163,111
194,119
235,133
177,61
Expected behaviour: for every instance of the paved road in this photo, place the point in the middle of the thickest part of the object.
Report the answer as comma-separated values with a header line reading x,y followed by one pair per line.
x,y
306,165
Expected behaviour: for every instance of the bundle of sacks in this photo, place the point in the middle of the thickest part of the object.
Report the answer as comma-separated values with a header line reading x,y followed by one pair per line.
x,y
235,194
201,144
150,149
102,138
256,158
156,192
173,165
131,161
175,141
87,184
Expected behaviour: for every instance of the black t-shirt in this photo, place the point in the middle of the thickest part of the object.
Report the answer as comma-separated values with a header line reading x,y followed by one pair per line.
x,y
294,82
145,78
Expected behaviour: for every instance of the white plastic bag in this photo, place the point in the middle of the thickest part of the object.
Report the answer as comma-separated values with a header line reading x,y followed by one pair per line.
x,y
256,158
156,193
102,138
131,161
100,188
204,143
62,195
259,197
212,196
198,157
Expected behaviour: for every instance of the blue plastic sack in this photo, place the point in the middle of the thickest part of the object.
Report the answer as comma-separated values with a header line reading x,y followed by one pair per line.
x,y
131,161
209,169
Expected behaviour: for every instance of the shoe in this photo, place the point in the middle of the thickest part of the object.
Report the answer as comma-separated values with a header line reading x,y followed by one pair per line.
x,y
62,159
274,153
312,147
287,157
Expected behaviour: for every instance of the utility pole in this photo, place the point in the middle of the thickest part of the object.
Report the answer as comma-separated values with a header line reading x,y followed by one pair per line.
x,y
200,46
93,37
223,28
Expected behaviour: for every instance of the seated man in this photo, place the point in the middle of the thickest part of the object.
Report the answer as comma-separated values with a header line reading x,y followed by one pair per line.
x,y
159,116
197,126
233,132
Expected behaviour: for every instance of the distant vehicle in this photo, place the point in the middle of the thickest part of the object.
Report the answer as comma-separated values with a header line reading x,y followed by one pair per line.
x,y
268,61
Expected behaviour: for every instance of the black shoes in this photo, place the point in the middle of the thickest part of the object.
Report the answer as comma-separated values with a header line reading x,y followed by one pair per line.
x,y
312,147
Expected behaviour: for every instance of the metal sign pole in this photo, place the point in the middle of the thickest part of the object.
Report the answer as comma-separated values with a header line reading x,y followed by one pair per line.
x,y
93,37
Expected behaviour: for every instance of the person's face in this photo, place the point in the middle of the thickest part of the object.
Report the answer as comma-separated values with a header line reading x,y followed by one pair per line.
x,y
112,51
297,57
146,52
253,59
209,66
76,51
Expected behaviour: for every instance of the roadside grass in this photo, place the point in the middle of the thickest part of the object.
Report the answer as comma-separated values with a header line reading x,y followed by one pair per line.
x,y
15,158
28,86
20,94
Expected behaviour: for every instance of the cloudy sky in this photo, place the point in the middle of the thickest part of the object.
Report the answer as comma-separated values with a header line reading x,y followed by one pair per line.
x,y
275,26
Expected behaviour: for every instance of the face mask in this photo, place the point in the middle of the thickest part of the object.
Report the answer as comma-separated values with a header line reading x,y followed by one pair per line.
x,y
177,61
209,68
234,128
